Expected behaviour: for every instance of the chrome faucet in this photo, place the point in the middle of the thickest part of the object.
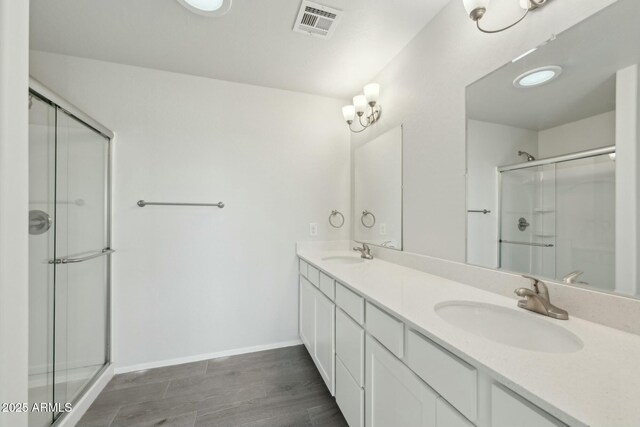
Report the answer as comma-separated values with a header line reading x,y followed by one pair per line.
x,y
537,300
572,278
365,251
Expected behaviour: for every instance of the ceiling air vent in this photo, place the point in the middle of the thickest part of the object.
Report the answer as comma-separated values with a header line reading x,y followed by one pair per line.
x,y
316,19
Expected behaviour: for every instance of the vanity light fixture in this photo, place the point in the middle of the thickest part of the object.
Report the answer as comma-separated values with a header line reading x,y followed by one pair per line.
x,y
537,77
207,7
366,116
477,8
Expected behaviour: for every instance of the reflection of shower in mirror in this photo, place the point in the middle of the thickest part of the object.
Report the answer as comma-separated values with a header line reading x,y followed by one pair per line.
x,y
529,157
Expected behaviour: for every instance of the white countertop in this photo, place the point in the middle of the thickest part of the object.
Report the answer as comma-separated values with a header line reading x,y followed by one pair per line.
x,y
596,386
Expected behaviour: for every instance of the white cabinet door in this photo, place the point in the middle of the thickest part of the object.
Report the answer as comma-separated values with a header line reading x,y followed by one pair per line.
x,y
350,345
446,416
395,396
307,314
325,338
349,396
509,409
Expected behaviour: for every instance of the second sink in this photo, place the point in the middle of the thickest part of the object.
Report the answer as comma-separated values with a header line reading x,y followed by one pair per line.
x,y
509,327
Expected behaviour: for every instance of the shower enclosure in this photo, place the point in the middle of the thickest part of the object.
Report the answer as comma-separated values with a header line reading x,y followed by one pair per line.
x,y
557,217
69,252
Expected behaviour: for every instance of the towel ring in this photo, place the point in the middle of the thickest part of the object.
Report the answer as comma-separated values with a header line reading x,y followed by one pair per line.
x,y
336,213
365,214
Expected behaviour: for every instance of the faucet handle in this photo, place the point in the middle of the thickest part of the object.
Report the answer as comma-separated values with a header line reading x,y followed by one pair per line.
x,y
572,277
538,286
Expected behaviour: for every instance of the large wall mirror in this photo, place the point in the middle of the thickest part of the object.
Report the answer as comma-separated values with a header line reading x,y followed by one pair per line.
x,y
378,191
551,140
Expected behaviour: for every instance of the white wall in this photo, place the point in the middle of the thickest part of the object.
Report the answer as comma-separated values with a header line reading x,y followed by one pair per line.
x,y
586,134
14,192
424,88
490,145
197,281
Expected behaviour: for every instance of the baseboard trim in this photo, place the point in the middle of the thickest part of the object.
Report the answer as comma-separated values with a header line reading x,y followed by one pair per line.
x,y
206,356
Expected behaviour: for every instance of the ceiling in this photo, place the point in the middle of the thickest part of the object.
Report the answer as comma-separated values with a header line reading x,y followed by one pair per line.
x,y
253,43
590,54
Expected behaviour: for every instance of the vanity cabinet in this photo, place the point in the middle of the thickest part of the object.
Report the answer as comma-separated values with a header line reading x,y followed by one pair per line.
x,y
447,416
451,377
307,314
349,395
317,329
384,373
394,395
508,409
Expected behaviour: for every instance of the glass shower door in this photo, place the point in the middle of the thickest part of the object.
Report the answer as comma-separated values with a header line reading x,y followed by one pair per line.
x,y
81,294
527,220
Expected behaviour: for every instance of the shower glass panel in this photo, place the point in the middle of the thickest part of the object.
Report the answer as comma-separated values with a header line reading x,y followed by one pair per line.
x,y
42,150
80,289
527,242
68,236
559,218
586,220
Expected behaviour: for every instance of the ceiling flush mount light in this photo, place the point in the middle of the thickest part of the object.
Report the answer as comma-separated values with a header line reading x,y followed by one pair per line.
x,y
207,7
537,77
477,8
365,107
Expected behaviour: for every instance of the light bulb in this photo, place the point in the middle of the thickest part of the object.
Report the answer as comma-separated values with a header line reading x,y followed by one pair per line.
x,y
371,93
349,113
360,104
476,8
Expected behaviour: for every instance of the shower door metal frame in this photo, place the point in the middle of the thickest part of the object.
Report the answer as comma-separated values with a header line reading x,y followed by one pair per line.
x,y
50,97
560,159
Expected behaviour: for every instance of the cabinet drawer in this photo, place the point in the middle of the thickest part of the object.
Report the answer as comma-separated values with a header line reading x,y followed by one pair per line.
x,y
327,286
349,396
350,345
508,410
302,267
386,329
447,416
313,274
350,302
450,376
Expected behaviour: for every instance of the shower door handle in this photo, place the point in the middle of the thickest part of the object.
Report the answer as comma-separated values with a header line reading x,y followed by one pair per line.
x,y
105,251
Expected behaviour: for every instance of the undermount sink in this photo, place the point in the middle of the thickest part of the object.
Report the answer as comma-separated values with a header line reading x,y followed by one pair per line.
x,y
509,327
343,259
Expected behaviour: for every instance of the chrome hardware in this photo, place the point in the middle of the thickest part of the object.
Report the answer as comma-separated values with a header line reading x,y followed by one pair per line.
x,y
523,224
529,157
483,211
39,222
537,300
365,251
541,245
336,213
572,278
103,252
364,215
142,204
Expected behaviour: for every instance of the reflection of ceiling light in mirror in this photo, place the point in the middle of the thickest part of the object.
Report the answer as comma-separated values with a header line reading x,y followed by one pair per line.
x,y
207,7
537,77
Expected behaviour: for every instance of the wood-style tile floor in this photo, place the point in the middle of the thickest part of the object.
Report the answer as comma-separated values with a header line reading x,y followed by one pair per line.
x,y
272,388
